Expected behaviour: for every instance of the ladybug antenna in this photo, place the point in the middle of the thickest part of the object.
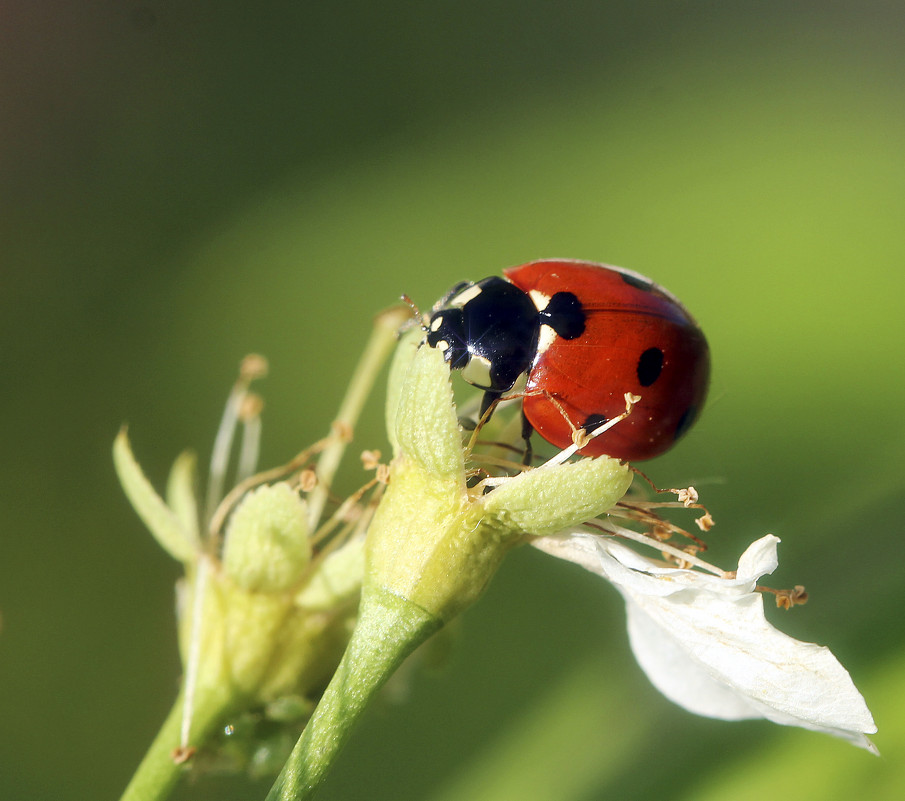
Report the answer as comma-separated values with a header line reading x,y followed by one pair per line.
x,y
416,319
416,312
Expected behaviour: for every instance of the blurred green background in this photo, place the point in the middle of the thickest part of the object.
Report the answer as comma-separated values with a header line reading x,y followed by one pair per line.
x,y
183,183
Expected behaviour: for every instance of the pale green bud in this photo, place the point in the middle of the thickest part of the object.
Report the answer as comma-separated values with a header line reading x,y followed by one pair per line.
x,y
267,545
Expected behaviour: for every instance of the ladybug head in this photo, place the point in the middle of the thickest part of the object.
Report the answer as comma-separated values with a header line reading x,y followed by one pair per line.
x,y
488,330
446,332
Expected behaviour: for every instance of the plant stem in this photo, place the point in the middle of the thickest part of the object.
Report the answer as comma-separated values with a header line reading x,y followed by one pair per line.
x,y
158,773
389,628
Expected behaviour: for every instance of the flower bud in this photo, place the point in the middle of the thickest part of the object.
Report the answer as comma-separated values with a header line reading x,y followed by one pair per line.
x,y
267,545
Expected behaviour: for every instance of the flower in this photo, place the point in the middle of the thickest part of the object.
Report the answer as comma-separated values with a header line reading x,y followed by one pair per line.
x,y
271,587
704,642
263,616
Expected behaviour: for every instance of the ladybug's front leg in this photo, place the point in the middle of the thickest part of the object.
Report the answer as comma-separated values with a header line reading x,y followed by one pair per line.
x,y
488,402
527,431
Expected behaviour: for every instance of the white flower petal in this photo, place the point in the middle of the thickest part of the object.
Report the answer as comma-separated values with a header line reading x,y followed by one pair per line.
x,y
705,644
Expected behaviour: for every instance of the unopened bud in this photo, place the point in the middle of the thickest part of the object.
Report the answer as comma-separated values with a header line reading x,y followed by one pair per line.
x,y
267,546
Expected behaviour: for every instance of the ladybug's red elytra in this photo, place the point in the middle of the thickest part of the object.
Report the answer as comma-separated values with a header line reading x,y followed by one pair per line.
x,y
585,334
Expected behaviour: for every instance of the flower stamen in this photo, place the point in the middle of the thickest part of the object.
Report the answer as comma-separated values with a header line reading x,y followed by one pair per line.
x,y
235,494
688,498
307,479
348,511
786,599
584,437
678,554
250,447
252,368
370,460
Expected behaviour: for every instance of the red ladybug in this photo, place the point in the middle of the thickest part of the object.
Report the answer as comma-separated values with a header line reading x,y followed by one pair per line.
x,y
585,334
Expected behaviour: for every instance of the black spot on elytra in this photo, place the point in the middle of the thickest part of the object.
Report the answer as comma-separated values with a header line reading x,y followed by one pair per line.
x,y
593,421
637,281
649,366
565,315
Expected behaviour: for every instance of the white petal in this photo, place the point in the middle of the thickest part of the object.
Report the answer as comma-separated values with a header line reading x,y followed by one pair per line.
x,y
704,642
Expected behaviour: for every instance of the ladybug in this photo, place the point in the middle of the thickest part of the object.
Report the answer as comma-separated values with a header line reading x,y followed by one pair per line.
x,y
584,335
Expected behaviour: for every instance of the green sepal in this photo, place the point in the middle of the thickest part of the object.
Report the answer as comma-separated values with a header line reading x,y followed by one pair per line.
x,y
161,521
181,496
399,367
549,499
425,423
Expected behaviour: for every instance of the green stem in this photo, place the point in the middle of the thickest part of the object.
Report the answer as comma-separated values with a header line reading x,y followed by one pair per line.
x,y
158,774
389,628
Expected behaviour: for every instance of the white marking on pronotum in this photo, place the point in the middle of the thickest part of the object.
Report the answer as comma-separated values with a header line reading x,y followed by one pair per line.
x,y
466,295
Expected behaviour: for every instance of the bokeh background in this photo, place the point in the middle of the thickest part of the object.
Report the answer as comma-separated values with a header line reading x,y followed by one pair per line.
x,y
183,183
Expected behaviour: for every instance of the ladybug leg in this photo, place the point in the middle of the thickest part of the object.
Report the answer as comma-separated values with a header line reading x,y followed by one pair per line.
x,y
486,412
527,431
488,402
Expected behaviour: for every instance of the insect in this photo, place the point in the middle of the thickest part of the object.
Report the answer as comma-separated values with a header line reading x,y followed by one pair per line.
x,y
584,335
